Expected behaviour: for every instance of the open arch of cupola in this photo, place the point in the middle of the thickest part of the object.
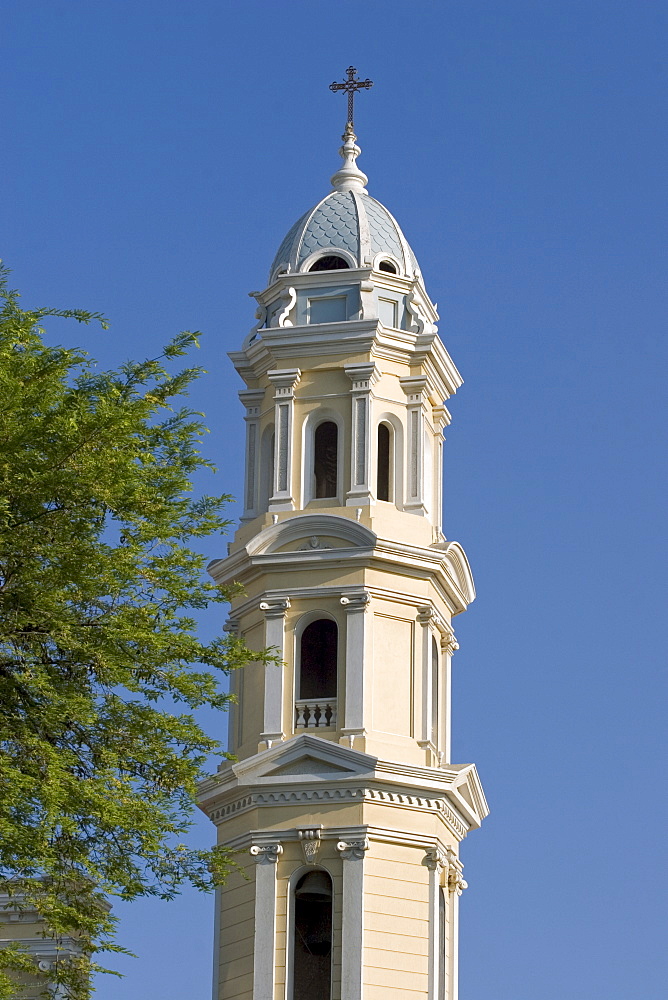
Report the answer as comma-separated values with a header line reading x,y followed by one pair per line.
x,y
309,928
389,458
322,456
388,263
319,257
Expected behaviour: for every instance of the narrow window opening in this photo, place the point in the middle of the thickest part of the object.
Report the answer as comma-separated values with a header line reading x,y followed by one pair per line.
x,y
312,938
325,459
317,672
387,265
329,263
383,483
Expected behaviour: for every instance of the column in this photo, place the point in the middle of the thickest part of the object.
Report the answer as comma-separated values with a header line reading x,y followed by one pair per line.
x,y
275,609
284,383
363,377
414,386
358,653
251,399
456,885
435,861
449,645
352,926
264,961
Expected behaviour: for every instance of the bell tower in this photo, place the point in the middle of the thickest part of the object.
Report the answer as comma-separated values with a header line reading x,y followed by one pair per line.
x,y
344,804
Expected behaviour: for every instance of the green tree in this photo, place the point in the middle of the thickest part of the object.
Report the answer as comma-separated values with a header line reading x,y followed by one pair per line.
x,y
100,663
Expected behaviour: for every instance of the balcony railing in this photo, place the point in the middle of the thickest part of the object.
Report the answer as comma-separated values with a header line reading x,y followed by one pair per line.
x,y
315,713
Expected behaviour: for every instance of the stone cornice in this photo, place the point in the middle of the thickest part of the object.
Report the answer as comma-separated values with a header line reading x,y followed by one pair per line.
x,y
446,562
343,775
276,346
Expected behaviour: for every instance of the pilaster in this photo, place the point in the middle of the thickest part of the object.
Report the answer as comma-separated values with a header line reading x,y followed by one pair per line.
x,y
275,609
427,734
363,378
435,860
456,885
265,857
441,419
284,382
358,652
449,646
251,399
414,386
352,925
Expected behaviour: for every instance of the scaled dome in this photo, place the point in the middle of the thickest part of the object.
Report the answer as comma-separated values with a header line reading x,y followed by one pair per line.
x,y
349,221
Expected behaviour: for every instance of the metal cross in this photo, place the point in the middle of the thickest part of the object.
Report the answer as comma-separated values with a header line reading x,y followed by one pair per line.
x,y
351,85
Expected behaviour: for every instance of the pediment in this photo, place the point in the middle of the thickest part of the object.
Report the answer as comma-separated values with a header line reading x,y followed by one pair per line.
x,y
307,764
302,757
467,788
311,535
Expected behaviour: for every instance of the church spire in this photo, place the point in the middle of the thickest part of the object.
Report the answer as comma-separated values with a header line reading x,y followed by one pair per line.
x,y
350,177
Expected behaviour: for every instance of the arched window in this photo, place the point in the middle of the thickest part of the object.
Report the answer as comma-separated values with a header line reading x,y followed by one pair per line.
x,y
325,456
317,662
329,263
312,937
387,265
434,691
383,491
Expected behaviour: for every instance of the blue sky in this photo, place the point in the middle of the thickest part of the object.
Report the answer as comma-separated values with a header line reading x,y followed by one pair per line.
x,y
154,155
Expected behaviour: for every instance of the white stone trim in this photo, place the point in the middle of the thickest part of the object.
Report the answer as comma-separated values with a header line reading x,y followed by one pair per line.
x,y
275,610
414,386
363,377
284,382
352,922
252,399
359,651
435,861
264,961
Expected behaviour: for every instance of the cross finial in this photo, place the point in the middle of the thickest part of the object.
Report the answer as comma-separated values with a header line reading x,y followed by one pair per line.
x,y
351,85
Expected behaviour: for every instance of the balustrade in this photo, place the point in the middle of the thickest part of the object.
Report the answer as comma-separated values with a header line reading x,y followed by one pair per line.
x,y
315,713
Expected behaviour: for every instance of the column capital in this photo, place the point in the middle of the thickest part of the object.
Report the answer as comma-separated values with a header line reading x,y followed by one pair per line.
x,y
284,381
425,614
449,643
441,416
251,399
231,626
435,859
275,607
413,386
266,854
353,849
455,880
356,602
362,376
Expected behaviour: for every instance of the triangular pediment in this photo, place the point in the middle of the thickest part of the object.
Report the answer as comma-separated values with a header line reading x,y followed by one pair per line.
x,y
301,757
308,764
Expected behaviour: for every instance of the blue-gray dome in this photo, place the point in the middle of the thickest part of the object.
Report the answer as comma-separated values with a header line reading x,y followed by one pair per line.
x,y
348,221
